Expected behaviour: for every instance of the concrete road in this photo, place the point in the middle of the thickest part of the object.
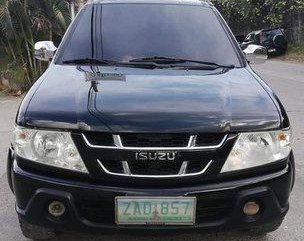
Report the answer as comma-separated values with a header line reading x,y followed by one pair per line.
x,y
286,79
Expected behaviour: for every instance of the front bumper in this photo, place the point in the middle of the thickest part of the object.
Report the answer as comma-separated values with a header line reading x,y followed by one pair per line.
x,y
90,207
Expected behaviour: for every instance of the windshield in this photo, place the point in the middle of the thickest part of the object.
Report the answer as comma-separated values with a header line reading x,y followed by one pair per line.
x,y
269,35
123,32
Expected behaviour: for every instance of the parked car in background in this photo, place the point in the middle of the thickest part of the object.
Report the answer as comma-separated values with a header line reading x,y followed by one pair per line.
x,y
273,39
240,38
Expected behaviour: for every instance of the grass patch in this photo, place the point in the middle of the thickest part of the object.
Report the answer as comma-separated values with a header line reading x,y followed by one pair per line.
x,y
295,53
14,75
3,65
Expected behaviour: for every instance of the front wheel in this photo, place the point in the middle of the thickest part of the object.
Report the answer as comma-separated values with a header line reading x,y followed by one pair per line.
x,y
35,232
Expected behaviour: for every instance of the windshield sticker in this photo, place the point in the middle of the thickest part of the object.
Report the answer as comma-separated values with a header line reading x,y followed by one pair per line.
x,y
105,76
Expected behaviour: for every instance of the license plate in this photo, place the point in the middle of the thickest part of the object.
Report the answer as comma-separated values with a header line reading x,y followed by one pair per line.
x,y
155,210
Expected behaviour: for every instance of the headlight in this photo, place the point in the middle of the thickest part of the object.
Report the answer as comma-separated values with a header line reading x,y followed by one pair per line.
x,y
259,148
48,147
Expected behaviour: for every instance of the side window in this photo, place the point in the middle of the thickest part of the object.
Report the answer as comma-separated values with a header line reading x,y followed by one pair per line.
x,y
250,37
258,38
80,45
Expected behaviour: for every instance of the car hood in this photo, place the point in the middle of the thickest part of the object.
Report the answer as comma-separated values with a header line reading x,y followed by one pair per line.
x,y
141,100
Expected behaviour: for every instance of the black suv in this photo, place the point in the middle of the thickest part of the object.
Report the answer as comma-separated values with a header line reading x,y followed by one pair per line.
x,y
273,39
150,118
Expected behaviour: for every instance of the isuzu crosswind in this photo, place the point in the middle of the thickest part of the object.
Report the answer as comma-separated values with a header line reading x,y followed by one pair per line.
x,y
150,118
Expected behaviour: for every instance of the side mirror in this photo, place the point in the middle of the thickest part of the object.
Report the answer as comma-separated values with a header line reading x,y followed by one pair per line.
x,y
256,54
45,50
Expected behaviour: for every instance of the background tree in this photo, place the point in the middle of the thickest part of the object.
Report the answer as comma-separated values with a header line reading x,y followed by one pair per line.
x,y
23,22
244,16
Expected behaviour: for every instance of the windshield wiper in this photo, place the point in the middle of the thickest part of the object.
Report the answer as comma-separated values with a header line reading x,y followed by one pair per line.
x,y
151,63
89,61
172,61
145,65
158,59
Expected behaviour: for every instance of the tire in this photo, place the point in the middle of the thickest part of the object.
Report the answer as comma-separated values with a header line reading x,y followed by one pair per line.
x,y
293,166
9,168
264,228
280,43
35,232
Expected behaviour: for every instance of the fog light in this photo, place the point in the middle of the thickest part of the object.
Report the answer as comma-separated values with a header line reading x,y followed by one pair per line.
x,y
56,208
251,208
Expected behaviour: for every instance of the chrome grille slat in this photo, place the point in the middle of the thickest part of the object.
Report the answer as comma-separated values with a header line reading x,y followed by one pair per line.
x,y
117,141
154,140
192,141
118,145
183,169
126,168
155,176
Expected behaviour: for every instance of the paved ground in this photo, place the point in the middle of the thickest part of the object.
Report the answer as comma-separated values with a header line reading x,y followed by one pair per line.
x,y
286,79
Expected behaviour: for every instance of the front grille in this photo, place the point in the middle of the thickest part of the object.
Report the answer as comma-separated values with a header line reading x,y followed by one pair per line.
x,y
154,167
102,211
139,155
196,166
99,138
209,139
113,166
155,140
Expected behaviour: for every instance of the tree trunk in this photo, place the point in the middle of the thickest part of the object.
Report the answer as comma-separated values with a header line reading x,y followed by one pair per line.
x,y
11,50
299,26
72,9
51,33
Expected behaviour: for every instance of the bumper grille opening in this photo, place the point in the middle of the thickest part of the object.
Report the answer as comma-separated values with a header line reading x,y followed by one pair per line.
x,y
212,209
98,211
208,209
